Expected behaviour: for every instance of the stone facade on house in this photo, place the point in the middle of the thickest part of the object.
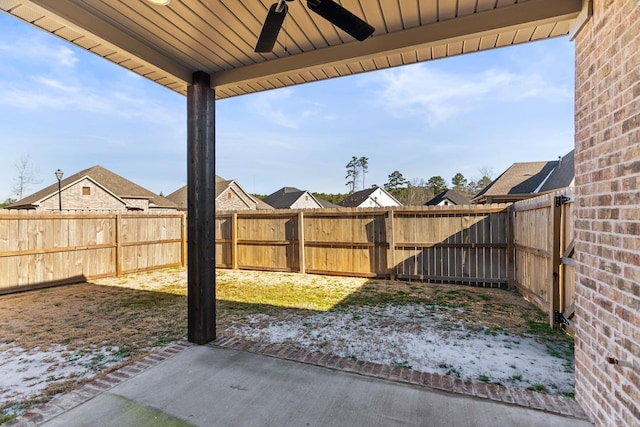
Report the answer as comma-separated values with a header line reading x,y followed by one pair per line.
x,y
607,166
231,200
85,195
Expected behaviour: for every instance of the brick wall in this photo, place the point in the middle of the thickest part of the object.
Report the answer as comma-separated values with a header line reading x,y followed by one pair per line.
x,y
608,212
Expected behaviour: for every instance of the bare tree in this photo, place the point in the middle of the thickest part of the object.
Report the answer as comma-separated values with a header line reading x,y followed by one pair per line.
x,y
26,176
486,179
487,171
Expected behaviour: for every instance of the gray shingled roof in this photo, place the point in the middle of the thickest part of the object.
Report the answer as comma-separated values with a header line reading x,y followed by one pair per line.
x,y
116,184
179,197
355,199
455,198
562,176
326,204
520,178
284,197
531,178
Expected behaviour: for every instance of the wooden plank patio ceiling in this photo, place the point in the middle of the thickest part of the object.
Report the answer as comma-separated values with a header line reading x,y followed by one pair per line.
x,y
168,43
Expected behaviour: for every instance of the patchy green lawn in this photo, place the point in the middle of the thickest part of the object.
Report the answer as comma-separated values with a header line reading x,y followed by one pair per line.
x,y
56,339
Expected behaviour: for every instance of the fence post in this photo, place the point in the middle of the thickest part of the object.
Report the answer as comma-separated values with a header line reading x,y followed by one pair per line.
x,y
118,245
554,295
183,238
234,241
301,242
392,245
511,253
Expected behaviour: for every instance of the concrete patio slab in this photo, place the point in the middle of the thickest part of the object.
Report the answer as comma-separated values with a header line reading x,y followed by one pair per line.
x,y
213,386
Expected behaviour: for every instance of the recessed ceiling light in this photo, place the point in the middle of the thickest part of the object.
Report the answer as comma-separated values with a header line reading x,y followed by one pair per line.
x,y
159,2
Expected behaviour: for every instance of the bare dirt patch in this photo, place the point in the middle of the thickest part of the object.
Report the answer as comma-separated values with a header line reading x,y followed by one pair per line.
x,y
54,340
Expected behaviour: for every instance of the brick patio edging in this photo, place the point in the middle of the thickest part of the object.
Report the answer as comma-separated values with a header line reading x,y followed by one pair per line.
x,y
555,404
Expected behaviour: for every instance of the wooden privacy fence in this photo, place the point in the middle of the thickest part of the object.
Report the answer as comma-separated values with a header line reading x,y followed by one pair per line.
x,y
544,265
38,250
528,245
455,244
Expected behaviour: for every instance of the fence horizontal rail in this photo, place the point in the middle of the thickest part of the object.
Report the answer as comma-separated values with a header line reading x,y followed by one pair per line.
x,y
55,250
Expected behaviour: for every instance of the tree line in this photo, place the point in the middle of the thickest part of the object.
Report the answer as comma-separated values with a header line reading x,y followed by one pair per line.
x,y
416,191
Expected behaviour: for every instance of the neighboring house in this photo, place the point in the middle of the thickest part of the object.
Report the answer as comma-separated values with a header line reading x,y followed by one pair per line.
x,y
230,196
96,188
326,204
370,198
293,198
525,180
448,197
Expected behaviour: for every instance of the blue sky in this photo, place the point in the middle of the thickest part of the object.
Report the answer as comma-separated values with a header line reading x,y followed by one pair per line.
x,y
68,109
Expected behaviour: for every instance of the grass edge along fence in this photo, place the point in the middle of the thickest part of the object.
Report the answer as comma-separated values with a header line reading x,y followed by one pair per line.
x,y
47,249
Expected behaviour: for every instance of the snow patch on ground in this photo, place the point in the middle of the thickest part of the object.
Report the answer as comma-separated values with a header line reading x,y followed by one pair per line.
x,y
25,373
415,336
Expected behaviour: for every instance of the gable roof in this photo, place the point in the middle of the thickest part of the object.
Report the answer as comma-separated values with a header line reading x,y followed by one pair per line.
x,y
357,198
523,179
286,196
454,197
115,184
179,197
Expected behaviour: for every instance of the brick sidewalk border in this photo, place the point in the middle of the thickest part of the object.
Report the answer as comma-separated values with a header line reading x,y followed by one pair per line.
x,y
555,404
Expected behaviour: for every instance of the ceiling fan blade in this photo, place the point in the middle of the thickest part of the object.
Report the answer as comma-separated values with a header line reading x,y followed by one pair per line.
x,y
271,28
341,18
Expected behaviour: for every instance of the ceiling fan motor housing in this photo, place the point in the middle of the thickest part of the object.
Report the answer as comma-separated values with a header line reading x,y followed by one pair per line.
x,y
328,9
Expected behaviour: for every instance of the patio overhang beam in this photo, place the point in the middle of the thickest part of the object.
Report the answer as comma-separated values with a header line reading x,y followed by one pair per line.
x,y
533,12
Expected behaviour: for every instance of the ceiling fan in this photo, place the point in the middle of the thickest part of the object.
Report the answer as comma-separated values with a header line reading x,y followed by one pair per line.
x,y
328,9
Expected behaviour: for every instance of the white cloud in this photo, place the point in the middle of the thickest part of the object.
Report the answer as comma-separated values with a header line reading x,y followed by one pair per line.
x,y
421,91
282,108
51,53
71,95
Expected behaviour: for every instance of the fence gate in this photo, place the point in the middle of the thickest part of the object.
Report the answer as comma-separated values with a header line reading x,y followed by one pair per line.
x,y
543,242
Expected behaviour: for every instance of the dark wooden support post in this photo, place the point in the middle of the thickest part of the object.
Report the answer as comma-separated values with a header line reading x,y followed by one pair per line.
x,y
201,300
